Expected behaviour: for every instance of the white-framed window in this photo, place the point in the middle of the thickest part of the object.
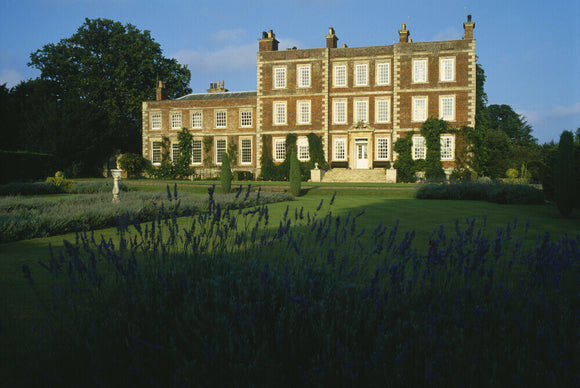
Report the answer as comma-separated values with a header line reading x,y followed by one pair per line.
x,y
156,152
419,108
303,150
339,149
447,69
279,77
419,147
339,112
382,108
447,108
303,108
220,148
340,76
175,152
245,118
361,76
245,150
361,111
382,148
175,120
221,118
279,149
304,76
383,73
280,113
196,119
196,151
447,147
419,70
156,120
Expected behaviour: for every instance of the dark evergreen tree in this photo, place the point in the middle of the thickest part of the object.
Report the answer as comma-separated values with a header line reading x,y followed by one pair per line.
x,y
295,175
226,174
565,174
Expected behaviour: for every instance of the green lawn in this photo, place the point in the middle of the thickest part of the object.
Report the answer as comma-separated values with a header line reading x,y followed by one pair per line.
x,y
19,307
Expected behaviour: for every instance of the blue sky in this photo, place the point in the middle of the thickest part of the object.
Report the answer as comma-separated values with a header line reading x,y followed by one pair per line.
x,y
530,50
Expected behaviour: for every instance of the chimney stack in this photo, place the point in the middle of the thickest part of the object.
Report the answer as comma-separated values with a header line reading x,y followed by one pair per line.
x,y
404,34
268,41
331,38
217,87
468,27
160,92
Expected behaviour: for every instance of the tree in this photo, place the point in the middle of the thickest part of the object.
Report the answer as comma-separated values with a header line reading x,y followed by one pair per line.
x,y
226,173
504,118
111,67
565,174
295,175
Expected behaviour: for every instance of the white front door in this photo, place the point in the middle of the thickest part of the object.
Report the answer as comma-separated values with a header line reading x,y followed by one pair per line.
x,y
362,154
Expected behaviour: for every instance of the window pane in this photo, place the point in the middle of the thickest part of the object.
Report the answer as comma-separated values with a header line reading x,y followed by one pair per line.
x,y
156,152
220,119
382,73
361,75
340,75
175,120
280,113
419,148
419,109
246,145
196,152
175,152
280,77
304,112
279,149
340,149
220,147
382,111
447,69
156,121
383,148
246,118
420,71
447,108
304,76
446,147
361,111
196,120
340,112
303,151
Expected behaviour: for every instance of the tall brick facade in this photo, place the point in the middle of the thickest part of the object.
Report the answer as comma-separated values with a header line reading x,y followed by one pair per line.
x,y
360,100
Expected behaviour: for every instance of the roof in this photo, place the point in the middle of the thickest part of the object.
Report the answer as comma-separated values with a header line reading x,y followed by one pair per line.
x,y
215,96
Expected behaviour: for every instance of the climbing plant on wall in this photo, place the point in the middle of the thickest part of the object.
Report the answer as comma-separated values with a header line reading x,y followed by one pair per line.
x,y
431,130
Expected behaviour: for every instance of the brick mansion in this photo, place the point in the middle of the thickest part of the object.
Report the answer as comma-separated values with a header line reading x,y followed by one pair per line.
x,y
359,100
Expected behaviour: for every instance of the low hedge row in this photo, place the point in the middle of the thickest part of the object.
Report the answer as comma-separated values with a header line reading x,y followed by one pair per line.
x,y
502,193
45,188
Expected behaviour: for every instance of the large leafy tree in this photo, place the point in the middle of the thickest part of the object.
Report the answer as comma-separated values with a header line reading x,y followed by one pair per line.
x,y
504,118
113,68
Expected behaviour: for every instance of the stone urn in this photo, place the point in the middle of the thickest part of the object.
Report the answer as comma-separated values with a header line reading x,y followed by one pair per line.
x,y
116,176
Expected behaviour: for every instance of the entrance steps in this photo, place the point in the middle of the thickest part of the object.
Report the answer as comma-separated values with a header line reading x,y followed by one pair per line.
x,y
354,175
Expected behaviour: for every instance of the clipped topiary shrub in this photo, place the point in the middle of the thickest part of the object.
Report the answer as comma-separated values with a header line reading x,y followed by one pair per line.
x,y
133,164
565,182
295,175
60,181
226,174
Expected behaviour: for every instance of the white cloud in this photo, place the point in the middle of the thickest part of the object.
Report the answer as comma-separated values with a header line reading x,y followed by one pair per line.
x,y
231,57
228,36
450,33
227,58
564,111
10,77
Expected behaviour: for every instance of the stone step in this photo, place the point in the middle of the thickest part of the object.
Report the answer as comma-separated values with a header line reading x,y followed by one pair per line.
x,y
353,175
